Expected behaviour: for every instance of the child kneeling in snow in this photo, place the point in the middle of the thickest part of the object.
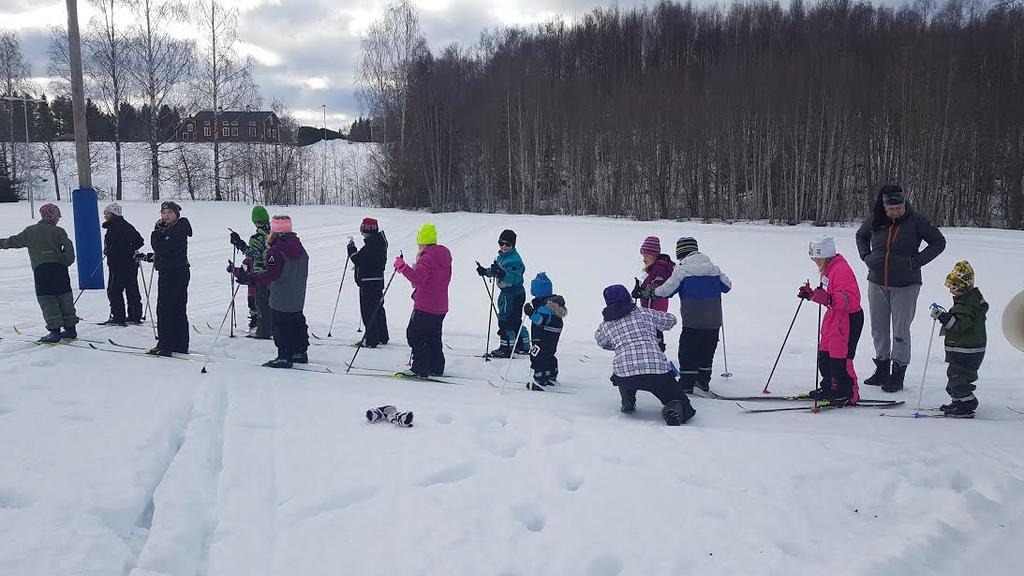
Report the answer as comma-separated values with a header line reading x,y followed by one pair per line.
x,y
545,312
840,329
639,363
964,328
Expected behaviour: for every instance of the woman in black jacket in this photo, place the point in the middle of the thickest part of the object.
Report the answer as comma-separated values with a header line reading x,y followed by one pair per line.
x,y
889,243
120,243
369,265
170,258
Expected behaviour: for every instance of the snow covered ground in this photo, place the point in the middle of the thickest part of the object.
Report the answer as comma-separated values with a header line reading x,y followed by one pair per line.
x,y
113,463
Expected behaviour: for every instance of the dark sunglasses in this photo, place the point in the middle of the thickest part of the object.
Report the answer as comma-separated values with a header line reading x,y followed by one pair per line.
x,y
503,243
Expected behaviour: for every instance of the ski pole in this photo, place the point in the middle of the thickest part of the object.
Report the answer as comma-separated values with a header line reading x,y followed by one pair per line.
x,y
816,347
344,272
920,394
149,311
91,275
359,345
784,340
490,316
725,355
221,328
512,355
234,254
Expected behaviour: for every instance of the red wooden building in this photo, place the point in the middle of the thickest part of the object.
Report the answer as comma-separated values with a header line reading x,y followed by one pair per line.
x,y
234,126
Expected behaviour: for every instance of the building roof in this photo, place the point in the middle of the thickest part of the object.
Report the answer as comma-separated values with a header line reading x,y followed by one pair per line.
x,y
235,115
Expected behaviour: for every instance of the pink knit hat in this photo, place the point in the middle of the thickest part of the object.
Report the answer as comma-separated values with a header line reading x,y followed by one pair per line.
x,y
651,245
280,224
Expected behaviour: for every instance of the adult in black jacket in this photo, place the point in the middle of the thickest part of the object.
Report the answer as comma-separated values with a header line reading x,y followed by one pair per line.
x,y
170,257
120,242
889,243
369,265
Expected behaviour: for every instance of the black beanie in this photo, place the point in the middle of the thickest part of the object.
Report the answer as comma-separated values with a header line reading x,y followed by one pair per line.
x,y
508,236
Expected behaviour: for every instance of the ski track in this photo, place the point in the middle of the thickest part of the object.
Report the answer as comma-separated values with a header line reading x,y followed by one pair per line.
x,y
250,471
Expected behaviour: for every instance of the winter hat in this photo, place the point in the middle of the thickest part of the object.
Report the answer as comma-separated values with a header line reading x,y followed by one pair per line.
x,y
368,226
260,214
172,206
822,247
651,245
962,276
49,212
508,236
114,209
892,195
684,246
616,294
541,287
280,225
427,235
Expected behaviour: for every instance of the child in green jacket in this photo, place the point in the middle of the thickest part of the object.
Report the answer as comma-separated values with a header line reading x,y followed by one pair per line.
x,y
964,328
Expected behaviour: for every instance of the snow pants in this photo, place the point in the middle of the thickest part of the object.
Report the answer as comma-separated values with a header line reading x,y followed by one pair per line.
x,y
123,284
664,386
172,310
892,313
291,335
696,356
424,335
371,308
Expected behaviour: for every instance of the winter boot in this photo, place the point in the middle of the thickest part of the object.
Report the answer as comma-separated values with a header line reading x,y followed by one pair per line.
x,y
895,381
158,352
69,333
676,413
535,386
628,405
114,322
961,408
401,419
501,352
52,338
279,363
300,358
136,321
881,375
381,413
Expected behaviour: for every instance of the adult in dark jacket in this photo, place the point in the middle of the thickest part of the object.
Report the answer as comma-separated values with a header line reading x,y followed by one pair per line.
x,y
120,243
369,262
889,243
51,252
170,258
286,273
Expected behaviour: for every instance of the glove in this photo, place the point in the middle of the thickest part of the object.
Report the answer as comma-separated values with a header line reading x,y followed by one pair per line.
x,y
936,312
231,267
528,309
351,248
139,257
499,274
481,270
820,296
494,269
160,225
237,241
805,292
148,257
637,292
400,264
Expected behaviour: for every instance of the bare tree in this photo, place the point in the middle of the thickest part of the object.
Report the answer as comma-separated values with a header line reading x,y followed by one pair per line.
x,y
108,59
13,72
160,64
224,80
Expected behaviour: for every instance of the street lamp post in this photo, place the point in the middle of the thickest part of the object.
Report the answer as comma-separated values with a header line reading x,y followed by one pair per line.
x,y
28,165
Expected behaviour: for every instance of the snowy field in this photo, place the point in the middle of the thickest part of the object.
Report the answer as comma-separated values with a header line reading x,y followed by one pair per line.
x,y
113,463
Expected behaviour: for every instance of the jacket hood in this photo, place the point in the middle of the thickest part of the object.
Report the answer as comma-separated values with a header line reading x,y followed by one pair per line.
x,y
618,310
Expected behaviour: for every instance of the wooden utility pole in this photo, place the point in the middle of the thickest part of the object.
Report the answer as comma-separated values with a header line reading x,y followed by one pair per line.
x,y
78,98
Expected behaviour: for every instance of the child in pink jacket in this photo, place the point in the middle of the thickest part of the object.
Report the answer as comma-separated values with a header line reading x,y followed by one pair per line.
x,y
430,277
657,269
841,327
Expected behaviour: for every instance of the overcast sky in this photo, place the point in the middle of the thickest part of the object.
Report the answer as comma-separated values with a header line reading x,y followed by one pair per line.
x,y
305,51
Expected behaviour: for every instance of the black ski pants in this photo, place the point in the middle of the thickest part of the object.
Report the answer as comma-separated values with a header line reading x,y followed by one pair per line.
x,y
697,355
424,335
122,284
371,293
171,310
291,335
664,386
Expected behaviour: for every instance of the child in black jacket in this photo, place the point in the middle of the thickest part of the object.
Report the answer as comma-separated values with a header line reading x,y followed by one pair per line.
x,y
545,312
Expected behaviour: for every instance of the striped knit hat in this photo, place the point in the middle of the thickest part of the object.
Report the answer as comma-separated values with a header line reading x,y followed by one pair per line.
x,y
651,246
685,246
280,224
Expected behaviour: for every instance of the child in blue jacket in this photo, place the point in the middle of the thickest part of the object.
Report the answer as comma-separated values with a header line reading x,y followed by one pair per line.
x,y
546,312
508,269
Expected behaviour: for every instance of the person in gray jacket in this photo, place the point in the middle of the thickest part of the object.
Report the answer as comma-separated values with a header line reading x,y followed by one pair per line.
x,y
286,273
889,243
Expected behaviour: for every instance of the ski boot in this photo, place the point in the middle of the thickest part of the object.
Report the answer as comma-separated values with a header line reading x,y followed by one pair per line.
x,y
411,375
114,322
69,333
300,358
961,408
52,338
158,352
502,351
279,363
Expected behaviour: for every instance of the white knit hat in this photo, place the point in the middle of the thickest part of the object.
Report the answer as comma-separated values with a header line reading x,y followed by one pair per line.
x,y
822,247
114,209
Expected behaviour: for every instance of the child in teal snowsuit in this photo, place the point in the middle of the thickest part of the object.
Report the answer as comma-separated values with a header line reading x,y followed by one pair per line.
x,y
508,270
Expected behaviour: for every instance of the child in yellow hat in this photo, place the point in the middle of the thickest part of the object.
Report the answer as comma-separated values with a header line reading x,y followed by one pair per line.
x,y
964,328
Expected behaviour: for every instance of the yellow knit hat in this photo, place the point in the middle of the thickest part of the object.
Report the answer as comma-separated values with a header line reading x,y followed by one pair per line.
x,y
962,276
427,235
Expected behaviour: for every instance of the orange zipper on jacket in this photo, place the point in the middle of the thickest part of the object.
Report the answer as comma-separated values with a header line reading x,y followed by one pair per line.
x,y
890,238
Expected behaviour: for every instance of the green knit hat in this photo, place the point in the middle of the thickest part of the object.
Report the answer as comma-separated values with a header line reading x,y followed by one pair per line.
x,y
260,214
684,246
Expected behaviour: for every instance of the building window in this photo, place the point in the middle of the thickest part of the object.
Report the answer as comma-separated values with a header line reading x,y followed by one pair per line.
x,y
252,122
225,131
234,131
273,133
206,123
234,122
206,131
191,127
252,130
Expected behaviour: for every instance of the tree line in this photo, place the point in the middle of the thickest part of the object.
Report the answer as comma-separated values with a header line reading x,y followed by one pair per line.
x,y
747,111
